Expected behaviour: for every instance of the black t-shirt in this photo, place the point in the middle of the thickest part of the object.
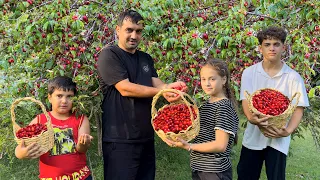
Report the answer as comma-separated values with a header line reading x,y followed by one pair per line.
x,y
125,119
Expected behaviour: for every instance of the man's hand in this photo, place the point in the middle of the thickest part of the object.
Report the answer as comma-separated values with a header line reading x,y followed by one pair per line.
x,y
273,132
179,85
172,97
32,151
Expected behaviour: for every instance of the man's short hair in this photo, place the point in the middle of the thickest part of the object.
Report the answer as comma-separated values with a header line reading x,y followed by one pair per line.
x,y
134,16
272,32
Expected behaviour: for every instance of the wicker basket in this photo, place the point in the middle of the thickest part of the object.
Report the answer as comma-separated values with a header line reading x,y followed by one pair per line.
x,y
277,121
192,131
46,139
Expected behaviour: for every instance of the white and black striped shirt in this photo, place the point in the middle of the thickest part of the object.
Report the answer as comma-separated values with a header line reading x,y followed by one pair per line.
x,y
217,115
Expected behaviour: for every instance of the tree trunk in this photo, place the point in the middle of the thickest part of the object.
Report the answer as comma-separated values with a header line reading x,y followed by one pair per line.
x,y
97,116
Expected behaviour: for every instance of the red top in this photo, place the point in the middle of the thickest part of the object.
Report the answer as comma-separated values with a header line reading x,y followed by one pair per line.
x,y
63,161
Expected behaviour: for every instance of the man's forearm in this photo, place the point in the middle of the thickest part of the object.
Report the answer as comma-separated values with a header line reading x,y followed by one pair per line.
x,y
137,90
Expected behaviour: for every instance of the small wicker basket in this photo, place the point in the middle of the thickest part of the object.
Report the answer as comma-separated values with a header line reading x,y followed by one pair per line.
x,y
277,121
46,139
192,131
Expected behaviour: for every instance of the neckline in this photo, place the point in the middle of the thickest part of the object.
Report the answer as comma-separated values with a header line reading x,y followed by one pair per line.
x,y
217,101
50,114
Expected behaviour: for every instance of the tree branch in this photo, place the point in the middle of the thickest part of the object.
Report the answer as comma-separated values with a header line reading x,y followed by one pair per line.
x,y
45,3
211,46
261,15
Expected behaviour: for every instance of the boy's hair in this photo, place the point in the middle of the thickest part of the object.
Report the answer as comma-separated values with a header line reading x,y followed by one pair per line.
x,y
62,82
272,32
134,16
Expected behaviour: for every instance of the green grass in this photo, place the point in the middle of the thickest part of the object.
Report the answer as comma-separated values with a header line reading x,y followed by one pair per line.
x,y
173,163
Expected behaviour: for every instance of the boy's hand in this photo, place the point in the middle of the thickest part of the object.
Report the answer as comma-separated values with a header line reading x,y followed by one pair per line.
x,y
84,139
261,122
32,151
273,132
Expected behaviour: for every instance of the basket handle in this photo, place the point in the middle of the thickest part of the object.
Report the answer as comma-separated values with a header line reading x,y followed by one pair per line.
x,y
181,94
17,101
297,101
247,95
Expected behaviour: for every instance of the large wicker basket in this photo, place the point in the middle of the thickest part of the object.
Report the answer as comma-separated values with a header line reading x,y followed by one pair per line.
x,y
192,131
277,121
46,139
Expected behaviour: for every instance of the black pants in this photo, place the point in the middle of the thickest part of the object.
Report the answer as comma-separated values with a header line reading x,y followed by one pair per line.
x,y
226,175
129,161
251,161
89,178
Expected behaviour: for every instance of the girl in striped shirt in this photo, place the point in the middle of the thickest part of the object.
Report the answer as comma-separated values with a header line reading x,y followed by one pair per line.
x,y
210,151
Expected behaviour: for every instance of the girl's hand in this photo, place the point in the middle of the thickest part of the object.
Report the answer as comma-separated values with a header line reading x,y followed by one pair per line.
x,y
84,139
181,144
32,151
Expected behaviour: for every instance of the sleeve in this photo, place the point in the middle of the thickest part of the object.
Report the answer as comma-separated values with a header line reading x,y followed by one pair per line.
x,y
298,86
246,80
110,67
227,119
154,71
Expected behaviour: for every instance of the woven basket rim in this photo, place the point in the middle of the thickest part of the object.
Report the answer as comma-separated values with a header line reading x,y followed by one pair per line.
x,y
183,100
287,112
16,127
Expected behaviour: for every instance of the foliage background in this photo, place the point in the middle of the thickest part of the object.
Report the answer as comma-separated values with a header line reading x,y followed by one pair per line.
x,y
42,39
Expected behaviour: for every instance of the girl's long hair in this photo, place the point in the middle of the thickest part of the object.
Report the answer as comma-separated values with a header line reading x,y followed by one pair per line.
x,y
222,68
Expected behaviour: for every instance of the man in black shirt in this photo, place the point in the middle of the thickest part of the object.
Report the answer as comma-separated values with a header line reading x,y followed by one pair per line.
x,y
129,81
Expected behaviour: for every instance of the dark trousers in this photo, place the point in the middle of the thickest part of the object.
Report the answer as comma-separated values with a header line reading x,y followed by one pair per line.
x,y
251,161
225,175
129,161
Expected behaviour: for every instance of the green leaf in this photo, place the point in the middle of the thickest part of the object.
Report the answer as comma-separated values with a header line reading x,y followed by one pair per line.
x,y
49,64
49,37
200,42
236,90
309,16
200,20
23,18
31,41
220,42
223,53
165,44
311,92
169,54
29,28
